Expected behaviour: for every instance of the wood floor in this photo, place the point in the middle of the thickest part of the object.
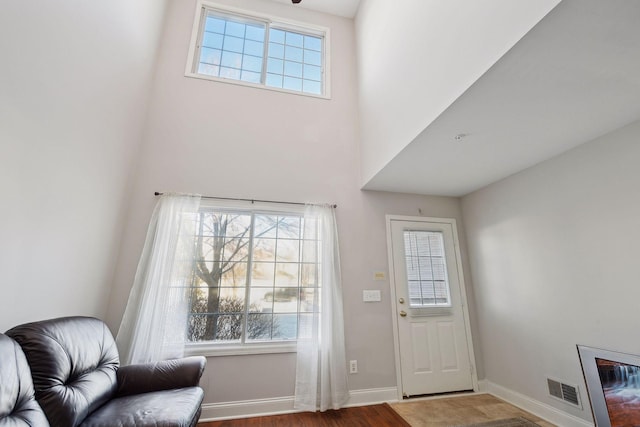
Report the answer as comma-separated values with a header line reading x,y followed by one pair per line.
x,y
362,416
430,412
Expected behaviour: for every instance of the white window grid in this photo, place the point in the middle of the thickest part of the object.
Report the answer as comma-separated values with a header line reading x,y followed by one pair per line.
x,y
304,281
294,61
235,46
427,278
231,47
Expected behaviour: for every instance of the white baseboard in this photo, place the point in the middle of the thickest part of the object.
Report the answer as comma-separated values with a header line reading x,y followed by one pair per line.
x,y
246,408
540,409
372,396
284,405
482,386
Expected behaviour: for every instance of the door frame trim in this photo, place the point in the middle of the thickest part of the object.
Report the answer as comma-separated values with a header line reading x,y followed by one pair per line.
x,y
463,293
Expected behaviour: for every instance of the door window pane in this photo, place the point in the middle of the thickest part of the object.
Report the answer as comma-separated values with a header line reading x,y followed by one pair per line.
x,y
426,269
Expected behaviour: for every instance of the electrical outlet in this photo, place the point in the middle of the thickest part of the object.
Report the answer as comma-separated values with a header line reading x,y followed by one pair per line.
x,y
353,366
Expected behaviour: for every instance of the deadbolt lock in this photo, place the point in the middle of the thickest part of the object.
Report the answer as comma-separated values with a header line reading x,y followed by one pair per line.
x,y
401,300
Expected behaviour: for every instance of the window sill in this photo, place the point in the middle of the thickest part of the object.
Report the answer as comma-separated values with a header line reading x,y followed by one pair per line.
x,y
213,350
255,85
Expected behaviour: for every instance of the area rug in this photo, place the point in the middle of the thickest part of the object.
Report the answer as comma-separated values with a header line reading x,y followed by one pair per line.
x,y
507,422
469,410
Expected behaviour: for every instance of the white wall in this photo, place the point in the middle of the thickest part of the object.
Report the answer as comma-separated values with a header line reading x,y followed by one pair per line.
x,y
554,260
74,78
227,140
417,57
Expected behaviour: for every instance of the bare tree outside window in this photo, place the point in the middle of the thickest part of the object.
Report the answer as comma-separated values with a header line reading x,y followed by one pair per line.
x,y
247,277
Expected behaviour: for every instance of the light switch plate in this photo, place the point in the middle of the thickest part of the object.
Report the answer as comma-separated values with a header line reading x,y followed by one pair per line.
x,y
369,295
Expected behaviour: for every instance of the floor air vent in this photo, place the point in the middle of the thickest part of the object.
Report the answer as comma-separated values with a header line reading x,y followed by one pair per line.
x,y
564,392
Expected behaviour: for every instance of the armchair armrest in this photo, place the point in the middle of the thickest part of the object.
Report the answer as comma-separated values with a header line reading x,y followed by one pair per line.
x,y
164,375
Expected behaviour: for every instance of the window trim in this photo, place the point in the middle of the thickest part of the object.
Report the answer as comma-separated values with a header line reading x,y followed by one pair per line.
x,y
215,349
271,21
209,349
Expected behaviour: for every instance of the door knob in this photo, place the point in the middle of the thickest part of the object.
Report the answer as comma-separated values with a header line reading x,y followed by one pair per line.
x,y
401,300
403,313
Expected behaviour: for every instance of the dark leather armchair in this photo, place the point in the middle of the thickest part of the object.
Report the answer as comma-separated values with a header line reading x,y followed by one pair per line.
x,y
78,381
18,406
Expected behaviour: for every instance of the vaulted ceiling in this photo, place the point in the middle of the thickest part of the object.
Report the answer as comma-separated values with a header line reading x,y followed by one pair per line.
x,y
573,77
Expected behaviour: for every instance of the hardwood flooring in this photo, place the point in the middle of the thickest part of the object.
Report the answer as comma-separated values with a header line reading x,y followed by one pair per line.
x,y
428,412
362,416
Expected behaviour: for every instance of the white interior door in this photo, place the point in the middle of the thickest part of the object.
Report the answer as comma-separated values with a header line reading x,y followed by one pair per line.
x,y
432,331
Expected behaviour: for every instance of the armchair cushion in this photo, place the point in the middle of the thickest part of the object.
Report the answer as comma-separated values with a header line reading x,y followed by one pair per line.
x,y
78,381
73,363
167,374
168,408
18,406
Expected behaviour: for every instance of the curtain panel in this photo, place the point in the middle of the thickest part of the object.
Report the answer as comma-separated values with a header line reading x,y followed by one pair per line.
x,y
321,367
153,325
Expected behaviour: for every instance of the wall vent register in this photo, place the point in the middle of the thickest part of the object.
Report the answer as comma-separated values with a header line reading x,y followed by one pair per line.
x,y
564,392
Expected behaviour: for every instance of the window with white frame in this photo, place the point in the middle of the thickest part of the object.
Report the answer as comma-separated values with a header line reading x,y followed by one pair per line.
x,y
254,277
234,46
426,269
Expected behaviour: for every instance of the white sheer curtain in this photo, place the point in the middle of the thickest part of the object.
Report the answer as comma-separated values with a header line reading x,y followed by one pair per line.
x,y
321,369
154,324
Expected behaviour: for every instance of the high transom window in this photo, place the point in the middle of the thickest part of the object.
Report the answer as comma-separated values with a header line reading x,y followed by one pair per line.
x,y
235,47
255,276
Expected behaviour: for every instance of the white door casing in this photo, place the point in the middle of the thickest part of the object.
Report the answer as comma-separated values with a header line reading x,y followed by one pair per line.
x,y
433,345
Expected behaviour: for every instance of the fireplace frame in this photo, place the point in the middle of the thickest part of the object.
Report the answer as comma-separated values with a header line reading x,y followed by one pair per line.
x,y
595,391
